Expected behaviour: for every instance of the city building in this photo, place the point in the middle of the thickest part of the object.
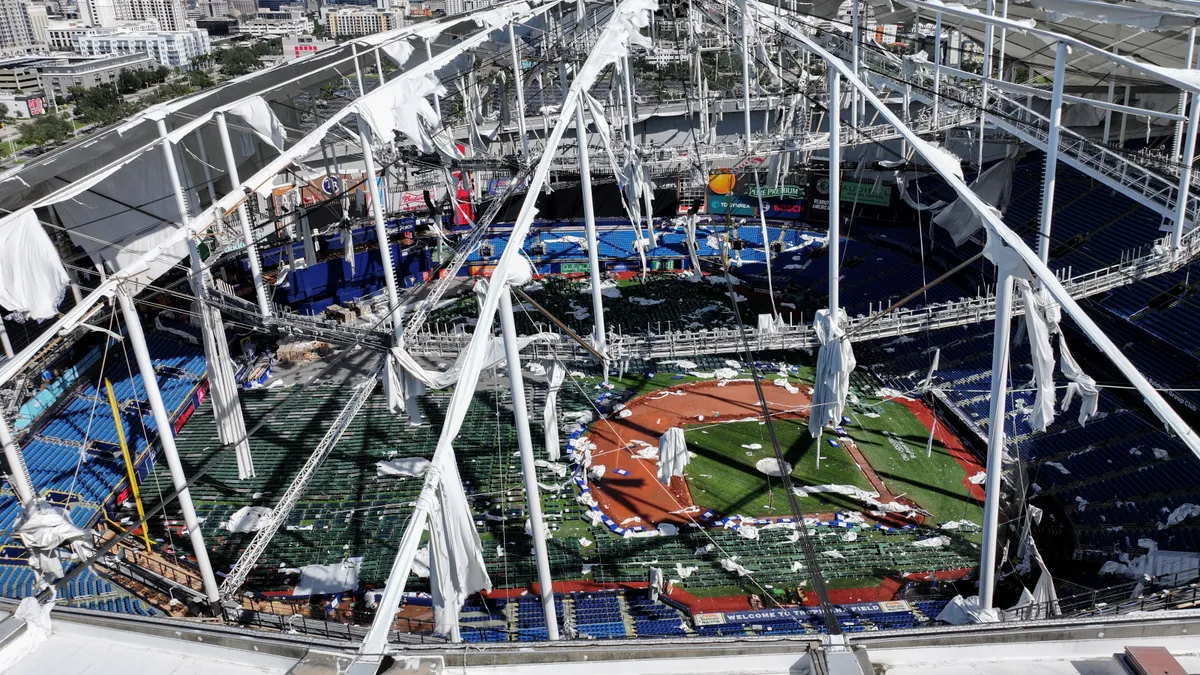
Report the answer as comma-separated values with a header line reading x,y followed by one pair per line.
x,y
98,13
168,48
92,72
24,106
170,14
243,9
299,46
287,20
219,27
15,31
39,24
61,34
362,21
20,74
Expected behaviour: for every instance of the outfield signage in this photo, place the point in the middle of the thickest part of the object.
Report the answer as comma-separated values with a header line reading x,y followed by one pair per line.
x,y
774,192
798,613
863,194
784,210
734,205
574,268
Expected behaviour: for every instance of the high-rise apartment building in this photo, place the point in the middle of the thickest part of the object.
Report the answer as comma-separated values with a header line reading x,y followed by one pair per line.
x,y
362,21
99,13
170,14
15,30
39,24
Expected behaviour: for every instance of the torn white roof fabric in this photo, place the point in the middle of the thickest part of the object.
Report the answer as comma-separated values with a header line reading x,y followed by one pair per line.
x,y
672,454
32,277
835,361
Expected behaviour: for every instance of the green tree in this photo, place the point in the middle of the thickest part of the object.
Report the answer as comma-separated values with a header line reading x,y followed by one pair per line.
x,y
46,128
199,79
320,31
101,104
129,81
3,115
237,61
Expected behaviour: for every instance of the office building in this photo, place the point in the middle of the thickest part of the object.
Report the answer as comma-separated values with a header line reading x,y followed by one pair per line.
x,y
91,72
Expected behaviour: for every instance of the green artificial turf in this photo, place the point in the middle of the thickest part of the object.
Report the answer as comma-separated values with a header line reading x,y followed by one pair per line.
x,y
935,483
722,476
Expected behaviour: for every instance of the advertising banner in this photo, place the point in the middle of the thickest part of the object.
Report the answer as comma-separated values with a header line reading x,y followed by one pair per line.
x,y
719,205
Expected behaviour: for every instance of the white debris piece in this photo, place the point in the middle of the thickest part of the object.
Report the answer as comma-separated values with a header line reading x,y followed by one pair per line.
x,y
978,479
1064,470
932,542
404,467
731,565
248,519
770,466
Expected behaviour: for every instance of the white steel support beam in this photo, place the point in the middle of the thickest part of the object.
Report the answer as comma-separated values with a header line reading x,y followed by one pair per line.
x,y
516,385
856,114
995,456
988,34
593,243
1185,175
1183,95
166,433
1112,86
166,438
18,473
835,188
7,343
381,237
746,68
256,273
518,81
937,66
358,71
437,100
1051,169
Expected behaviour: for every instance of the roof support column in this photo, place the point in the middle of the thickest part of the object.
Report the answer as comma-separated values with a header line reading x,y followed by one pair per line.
x,y
1112,86
995,457
358,70
937,66
385,251
1049,174
437,100
593,243
166,432
256,273
518,77
1185,176
516,384
166,437
835,187
746,66
1183,96
5,342
856,115
18,473
988,36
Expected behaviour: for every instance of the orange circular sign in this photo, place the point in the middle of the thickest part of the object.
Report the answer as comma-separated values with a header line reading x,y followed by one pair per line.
x,y
722,183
